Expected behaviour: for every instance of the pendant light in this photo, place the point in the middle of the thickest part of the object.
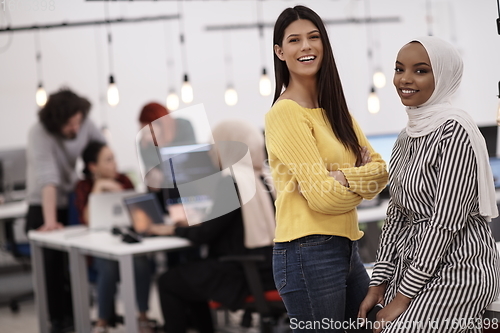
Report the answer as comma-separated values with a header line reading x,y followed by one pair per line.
x,y
41,95
113,94
172,100
265,84
187,94
187,91
373,102
379,80
265,88
231,96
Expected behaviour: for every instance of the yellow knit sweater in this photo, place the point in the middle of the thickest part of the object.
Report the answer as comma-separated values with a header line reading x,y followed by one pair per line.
x,y
302,149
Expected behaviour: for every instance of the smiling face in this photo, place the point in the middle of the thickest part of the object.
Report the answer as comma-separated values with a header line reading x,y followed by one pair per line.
x,y
413,76
301,49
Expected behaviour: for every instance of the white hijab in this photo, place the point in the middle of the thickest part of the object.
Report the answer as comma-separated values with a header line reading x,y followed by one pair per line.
x,y
257,208
447,67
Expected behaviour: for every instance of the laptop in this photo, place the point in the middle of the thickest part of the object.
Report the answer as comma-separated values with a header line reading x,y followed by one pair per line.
x,y
143,210
107,210
192,179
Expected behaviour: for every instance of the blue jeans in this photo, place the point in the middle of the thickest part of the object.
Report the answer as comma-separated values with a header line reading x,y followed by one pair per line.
x,y
321,280
108,275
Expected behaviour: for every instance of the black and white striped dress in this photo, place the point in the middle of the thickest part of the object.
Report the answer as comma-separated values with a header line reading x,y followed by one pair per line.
x,y
435,247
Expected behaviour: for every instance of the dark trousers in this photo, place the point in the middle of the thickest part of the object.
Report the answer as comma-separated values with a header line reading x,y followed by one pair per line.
x,y
56,266
181,305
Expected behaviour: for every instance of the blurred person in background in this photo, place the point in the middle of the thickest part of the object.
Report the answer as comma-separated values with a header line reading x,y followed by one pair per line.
x,y
249,230
101,175
55,142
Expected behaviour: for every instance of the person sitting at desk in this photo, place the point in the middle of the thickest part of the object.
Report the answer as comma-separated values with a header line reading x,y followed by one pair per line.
x,y
246,230
166,131
101,176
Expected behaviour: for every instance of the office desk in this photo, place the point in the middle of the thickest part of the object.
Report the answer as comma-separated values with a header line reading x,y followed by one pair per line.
x,y
58,240
13,210
105,245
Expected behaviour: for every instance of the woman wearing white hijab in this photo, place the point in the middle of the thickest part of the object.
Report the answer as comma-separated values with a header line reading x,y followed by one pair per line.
x,y
437,266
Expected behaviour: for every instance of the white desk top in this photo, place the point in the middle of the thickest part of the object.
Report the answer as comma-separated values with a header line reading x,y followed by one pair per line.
x,y
61,238
105,242
14,209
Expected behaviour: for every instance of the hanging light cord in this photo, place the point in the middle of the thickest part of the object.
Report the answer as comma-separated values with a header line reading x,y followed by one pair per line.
x,y
110,46
170,61
38,57
428,8
369,36
227,57
181,36
260,24
100,87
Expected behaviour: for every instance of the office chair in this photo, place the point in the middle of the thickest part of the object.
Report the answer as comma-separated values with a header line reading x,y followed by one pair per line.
x,y
21,252
268,304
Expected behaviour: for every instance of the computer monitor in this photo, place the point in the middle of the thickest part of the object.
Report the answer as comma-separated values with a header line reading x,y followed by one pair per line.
x,y
383,145
106,210
490,134
143,210
13,162
188,164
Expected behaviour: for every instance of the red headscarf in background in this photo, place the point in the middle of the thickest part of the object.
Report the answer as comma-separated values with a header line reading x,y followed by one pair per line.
x,y
150,113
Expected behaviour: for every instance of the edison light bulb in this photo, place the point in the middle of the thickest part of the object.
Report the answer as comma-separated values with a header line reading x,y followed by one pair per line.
x,y
172,101
373,102
186,91
231,96
41,96
264,84
113,95
379,79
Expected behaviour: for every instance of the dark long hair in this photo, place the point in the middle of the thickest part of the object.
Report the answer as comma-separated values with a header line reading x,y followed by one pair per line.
x,y
90,155
61,106
331,95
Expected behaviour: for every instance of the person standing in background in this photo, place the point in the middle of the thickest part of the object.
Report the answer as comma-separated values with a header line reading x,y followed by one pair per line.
x,y
322,166
54,144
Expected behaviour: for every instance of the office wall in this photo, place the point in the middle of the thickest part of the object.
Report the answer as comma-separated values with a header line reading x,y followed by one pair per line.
x,y
78,57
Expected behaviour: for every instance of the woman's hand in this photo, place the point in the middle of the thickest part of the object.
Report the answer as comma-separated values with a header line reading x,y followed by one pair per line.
x,y
366,156
106,185
339,176
161,229
374,296
50,226
392,311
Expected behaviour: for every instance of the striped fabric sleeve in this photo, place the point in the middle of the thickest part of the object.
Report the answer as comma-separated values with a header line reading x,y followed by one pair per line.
x,y
456,195
371,178
289,136
386,253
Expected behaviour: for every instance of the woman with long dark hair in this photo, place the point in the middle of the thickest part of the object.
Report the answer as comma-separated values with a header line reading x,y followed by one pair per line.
x,y
101,176
322,166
